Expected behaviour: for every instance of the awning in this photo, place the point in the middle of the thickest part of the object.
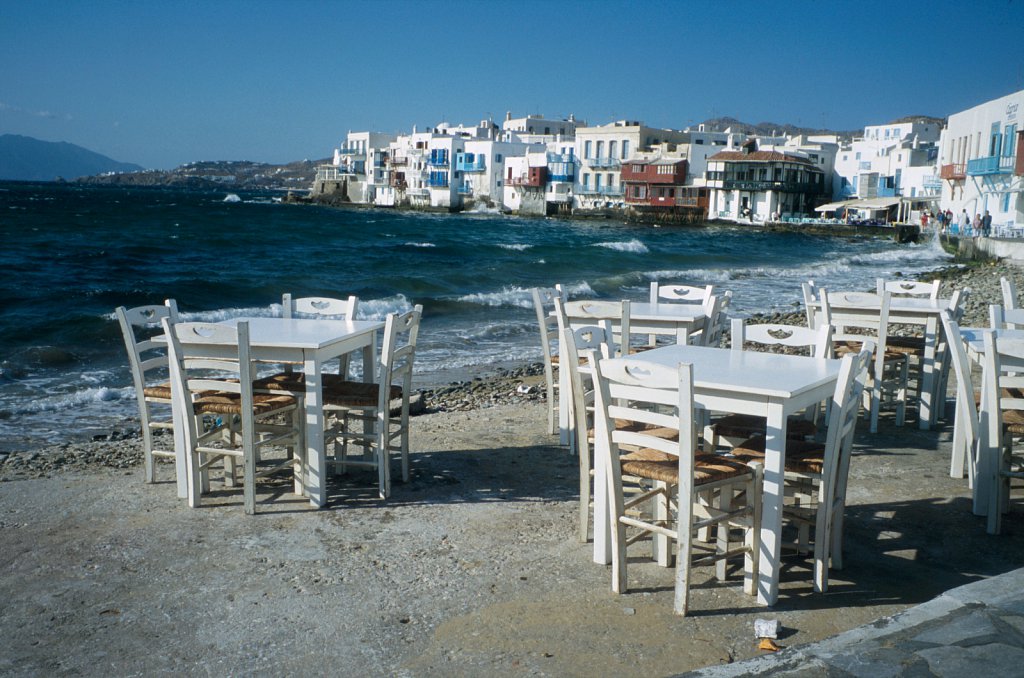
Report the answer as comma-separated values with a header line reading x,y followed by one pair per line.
x,y
874,203
833,206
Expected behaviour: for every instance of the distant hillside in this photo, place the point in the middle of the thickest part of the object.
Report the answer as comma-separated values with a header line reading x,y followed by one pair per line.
x,y
27,159
219,174
769,128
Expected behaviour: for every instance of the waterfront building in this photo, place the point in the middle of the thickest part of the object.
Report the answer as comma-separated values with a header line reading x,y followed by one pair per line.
x,y
889,161
600,152
762,185
982,162
526,181
540,126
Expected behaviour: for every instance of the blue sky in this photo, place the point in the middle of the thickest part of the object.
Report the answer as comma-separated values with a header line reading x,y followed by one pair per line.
x,y
164,83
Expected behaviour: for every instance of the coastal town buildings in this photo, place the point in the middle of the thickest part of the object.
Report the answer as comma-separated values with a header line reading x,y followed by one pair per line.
x,y
981,161
763,185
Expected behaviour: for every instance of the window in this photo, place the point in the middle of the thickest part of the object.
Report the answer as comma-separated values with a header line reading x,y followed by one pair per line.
x,y
1009,139
586,180
586,149
497,158
600,149
857,156
625,148
611,149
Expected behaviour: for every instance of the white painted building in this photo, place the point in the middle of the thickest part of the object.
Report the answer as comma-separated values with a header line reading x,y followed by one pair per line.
x,y
540,126
600,151
891,160
982,162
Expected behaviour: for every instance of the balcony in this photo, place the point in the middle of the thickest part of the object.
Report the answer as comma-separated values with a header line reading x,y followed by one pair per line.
x,y
399,161
954,172
465,190
437,161
417,191
785,186
994,164
611,191
349,151
470,165
563,177
604,162
932,183
885,192
434,182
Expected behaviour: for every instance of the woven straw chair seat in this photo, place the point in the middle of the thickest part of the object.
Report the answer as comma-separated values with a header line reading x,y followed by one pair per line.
x,y
655,465
337,390
158,391
748,425
802,456
231,403
842,348
654,431
906,345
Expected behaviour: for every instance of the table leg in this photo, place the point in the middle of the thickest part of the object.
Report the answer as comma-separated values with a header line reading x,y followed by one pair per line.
x,y
316,462
926,408
771,511
989,444
564,397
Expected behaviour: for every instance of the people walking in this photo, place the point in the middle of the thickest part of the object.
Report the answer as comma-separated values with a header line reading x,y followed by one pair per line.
x,y
986,224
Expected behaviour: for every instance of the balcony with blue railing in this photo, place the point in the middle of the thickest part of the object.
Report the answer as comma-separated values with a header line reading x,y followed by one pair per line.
x,y
562,177
438,182
463,165
561,157
465,190
349,151
437,161
885,192
932,183
611,191
604,161
994,164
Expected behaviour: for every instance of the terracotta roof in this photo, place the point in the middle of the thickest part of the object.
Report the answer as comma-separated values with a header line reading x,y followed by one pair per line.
x,y
759,156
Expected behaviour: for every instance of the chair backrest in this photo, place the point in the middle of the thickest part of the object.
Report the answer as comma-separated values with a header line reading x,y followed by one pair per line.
x,y
863,311
908,288
577,342
340,309
1003,380
810,291
398,353
818,342
717,319
680,294
842,423
547,319
646,397
210,357
1009,289
591,312
957,352
1005,319
148,359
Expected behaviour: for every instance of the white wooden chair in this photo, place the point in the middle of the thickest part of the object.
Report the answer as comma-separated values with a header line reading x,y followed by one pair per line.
x,y
819,471
197,393
810,292
596,312
576,342
680,294
652,397
908,288
855,317
385,425
327,308
965,424
717,311
733,428
547,322
149,366
1002,416
1009,290
1001,318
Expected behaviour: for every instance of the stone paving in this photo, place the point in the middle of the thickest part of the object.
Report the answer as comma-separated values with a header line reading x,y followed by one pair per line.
x,y
976,629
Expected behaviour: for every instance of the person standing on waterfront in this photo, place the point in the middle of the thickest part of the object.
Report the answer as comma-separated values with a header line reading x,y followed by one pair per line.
x,y
965,222
986,224
976,224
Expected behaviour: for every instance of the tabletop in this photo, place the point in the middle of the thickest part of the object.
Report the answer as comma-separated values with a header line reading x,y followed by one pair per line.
x,y
302,332
773,375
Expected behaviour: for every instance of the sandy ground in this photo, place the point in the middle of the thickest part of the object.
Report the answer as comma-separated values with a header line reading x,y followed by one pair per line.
x,y
472,568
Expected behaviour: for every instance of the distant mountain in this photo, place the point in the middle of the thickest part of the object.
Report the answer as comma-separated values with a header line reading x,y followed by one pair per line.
x,y
218,174
771,128
28,159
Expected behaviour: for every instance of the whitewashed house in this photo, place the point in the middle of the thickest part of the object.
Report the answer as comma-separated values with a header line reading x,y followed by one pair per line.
x,y
600,151
982,162
889,161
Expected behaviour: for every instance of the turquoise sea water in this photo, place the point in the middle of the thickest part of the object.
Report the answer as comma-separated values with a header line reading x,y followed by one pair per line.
x,y
71,254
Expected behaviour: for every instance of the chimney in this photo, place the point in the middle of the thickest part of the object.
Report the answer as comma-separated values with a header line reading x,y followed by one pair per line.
x,y
508,115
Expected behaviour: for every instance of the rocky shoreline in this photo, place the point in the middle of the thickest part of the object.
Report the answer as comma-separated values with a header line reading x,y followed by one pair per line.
x,y
122,449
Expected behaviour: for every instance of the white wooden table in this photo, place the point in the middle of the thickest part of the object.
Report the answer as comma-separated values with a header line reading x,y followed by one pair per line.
x,y
768,385
912,311
311,343
675,320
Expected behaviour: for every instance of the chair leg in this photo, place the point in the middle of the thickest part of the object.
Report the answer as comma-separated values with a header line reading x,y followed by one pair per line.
x,y
752,558
724,505
584,510
684,547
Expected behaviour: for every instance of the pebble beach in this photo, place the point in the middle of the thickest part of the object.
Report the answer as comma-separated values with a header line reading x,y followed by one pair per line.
x,y
472,567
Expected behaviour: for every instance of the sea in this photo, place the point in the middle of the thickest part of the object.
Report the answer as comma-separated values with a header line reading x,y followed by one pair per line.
x,y
72,253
